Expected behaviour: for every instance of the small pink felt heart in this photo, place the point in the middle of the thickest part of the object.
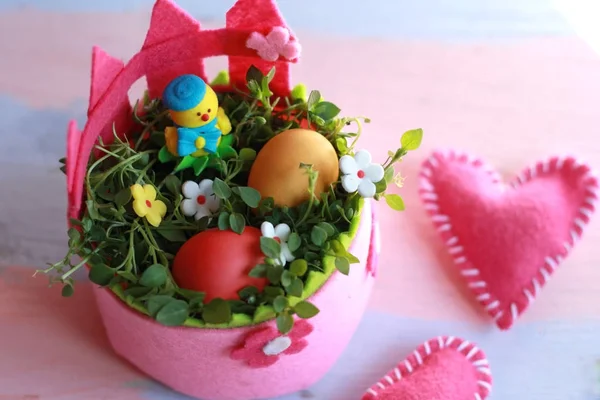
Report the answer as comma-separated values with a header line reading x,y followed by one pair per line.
x,y
507,239
444,368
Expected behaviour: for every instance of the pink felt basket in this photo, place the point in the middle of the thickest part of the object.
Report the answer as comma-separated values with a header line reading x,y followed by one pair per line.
x,y
196,361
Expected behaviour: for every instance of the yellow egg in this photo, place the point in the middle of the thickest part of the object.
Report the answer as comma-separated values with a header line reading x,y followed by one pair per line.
x,y
276,171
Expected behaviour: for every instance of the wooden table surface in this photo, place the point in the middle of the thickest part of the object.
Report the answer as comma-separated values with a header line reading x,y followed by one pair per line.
x,y
511,81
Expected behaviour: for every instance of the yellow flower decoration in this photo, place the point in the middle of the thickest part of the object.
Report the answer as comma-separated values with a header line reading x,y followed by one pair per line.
x,y
146,205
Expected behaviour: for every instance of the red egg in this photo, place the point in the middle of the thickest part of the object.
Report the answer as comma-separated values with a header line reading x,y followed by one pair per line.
x,y
218,262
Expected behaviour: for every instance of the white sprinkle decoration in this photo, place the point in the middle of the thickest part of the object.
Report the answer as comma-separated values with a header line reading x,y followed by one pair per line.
x,y
440,342
586,212
452,241
481,363
450,340
574,235
590,200
477,396
429,196
472,352
559,163
444,228
492,305
529,296
545,274
397,373
426,172
431,207
277,346
390,380
408,366
485,370
427,348
440,218
418,357
463,345
498,316
514,311
536,286
433,161
374,393
455,250
460,260
579,223
477,284
381,385
469,272
483,297
485,385
545,167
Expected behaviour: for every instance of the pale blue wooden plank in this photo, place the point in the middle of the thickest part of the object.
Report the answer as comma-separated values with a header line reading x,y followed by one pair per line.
x,y
439,19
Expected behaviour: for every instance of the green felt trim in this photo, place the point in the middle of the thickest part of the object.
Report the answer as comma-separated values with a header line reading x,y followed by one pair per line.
x,y
314,281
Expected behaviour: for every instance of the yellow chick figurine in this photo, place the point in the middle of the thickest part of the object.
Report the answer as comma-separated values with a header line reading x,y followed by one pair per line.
x,y
200,122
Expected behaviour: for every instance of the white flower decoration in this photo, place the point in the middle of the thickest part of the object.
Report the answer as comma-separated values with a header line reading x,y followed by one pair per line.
x,y
280,233
360,174
200,200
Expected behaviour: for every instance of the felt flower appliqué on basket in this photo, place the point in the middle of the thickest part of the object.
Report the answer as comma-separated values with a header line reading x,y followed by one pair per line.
x,y
231,222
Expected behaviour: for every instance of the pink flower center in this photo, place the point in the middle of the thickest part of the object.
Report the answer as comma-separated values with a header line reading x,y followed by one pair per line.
x,y
277,239
201,200
148,204
361,174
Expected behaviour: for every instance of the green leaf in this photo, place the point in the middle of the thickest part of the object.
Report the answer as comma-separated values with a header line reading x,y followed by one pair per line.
x,y
106,192
173,184
74,234
67,291
342,145
411,140
101,274
395,202
285,323
248,292
200,165
221,189
286,278
313,99
164,155
92,209
223,221
351,258
295,288
318,236
87,224
172,235
254,74
388,175
259,271
227,152
221,79
249,195
237,222
380,186
326,110
299,92
155,303
280,303
185,163
270,247
217,311
154,276
138,292
192,294
247,154
123,197
173,313
294,242
273,291
306,310
343,265
274,274
327,227
299,267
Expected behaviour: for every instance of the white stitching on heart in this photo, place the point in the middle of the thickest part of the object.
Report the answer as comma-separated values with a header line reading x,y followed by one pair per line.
x,y
455,249
416,359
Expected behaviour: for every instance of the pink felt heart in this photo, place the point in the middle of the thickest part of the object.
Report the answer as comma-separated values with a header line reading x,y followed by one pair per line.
x,y
444,368
507,240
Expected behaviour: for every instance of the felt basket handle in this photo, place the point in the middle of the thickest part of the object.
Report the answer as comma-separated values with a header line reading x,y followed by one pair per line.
x,y
173,35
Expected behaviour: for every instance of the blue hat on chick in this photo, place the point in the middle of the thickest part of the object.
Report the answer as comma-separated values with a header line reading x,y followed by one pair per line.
x,y
184,92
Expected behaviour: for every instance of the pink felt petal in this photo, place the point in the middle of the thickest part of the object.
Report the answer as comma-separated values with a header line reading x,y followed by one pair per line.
x,y
73,137
444,368
296,347
169,21
290,50
105,69
260,16
262,361
244,353
278,37
507,240
301,329
256,41
261,337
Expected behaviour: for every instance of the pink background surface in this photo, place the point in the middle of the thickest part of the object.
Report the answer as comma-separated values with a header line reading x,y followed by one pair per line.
x,y
511,101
